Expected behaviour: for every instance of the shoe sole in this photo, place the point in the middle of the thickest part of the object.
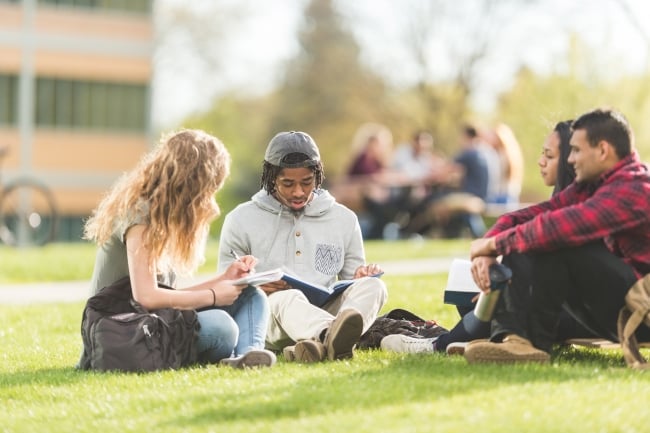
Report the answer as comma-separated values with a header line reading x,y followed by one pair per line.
x,y
497,355
456,349
402,344
344,334
308,351
255,359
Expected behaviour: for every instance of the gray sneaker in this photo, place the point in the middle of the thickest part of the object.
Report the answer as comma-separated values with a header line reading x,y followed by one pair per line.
x,y
253,358
343,334
405,344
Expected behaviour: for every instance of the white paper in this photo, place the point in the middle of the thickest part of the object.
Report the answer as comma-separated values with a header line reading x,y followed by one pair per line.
x,y
261,278
460,277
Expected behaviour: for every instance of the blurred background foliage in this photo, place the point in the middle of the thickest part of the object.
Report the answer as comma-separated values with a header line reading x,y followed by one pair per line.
x,y
328,91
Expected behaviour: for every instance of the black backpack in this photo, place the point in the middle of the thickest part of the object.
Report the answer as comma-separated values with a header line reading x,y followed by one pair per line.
x,y
119,334
399,321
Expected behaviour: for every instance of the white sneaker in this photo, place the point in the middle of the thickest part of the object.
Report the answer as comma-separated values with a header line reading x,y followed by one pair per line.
x,y
405,344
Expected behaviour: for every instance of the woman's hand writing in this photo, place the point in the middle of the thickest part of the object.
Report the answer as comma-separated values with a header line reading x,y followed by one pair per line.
x,y
240,268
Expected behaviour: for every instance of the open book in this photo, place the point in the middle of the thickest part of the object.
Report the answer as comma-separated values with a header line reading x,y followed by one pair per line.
x,y
461,288
315,293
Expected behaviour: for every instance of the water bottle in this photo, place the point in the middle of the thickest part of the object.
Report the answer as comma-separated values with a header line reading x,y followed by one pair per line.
x,y
499,277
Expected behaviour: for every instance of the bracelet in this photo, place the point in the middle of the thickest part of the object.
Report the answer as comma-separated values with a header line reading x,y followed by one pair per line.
x,y
214,297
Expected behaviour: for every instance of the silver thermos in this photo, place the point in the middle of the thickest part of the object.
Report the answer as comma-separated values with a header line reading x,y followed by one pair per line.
x,y
499,276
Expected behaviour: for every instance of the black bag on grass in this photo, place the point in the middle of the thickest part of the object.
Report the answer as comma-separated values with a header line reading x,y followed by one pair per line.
x,y
119,334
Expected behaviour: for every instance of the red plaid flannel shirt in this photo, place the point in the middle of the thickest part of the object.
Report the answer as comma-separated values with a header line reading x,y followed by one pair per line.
x,y
615,209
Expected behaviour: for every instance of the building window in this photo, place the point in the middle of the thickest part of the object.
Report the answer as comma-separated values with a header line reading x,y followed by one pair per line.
x,y
45,106
138,6
81,103
63,103
9,99
98,105
91,105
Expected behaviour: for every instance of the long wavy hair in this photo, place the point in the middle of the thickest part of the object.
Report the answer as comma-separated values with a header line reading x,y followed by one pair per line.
x,y
178,179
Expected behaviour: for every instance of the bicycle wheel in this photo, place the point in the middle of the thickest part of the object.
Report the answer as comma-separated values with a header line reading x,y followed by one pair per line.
x,y
27,214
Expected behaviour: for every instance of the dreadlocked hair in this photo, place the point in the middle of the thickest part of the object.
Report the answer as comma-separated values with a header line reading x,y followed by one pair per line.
x,y
271,172
178,180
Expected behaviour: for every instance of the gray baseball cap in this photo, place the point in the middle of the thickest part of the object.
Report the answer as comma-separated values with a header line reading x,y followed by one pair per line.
x,y
285,143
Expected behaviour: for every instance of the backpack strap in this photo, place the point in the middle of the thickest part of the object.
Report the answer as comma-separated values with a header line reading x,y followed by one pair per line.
x,y
627,324
402,314
635,312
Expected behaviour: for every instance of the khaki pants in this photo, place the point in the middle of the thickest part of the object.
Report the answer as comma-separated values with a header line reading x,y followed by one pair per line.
x,y
293,318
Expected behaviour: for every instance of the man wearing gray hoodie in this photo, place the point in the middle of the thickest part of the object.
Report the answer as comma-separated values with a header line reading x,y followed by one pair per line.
x,y
293,224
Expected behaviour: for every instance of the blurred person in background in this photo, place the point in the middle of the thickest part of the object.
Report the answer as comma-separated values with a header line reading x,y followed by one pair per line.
x,y
511,165
429,177
371,178
397,188
424,170
461,208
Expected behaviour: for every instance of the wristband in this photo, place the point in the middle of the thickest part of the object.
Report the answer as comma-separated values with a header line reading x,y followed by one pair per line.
x,y
214,297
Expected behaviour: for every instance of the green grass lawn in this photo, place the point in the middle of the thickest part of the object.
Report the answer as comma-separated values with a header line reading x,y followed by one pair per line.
x,y
580,391
74,261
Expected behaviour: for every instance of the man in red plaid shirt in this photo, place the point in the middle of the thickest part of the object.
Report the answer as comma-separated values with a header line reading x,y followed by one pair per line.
x,y
581,250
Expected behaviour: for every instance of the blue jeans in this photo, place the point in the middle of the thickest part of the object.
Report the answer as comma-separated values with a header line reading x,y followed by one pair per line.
x,y
234,329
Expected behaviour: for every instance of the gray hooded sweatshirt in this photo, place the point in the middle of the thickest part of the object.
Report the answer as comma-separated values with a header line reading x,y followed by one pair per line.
x,y
320,244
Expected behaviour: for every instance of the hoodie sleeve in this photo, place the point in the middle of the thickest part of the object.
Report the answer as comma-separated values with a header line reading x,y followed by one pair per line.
x,y
232,238
354,252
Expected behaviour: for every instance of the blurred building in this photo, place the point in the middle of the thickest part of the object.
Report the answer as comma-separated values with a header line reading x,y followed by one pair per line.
x,y
74,96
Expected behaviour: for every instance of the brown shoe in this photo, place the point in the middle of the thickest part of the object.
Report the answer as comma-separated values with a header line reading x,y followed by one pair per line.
x,y
513,349
289,353
343,334
308,351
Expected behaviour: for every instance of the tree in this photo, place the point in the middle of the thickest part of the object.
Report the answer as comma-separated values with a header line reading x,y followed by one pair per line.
x,y
533,105
326,91
189,46
241,124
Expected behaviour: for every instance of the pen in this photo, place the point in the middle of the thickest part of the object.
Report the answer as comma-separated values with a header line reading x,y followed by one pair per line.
x,y
238,259
235,255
